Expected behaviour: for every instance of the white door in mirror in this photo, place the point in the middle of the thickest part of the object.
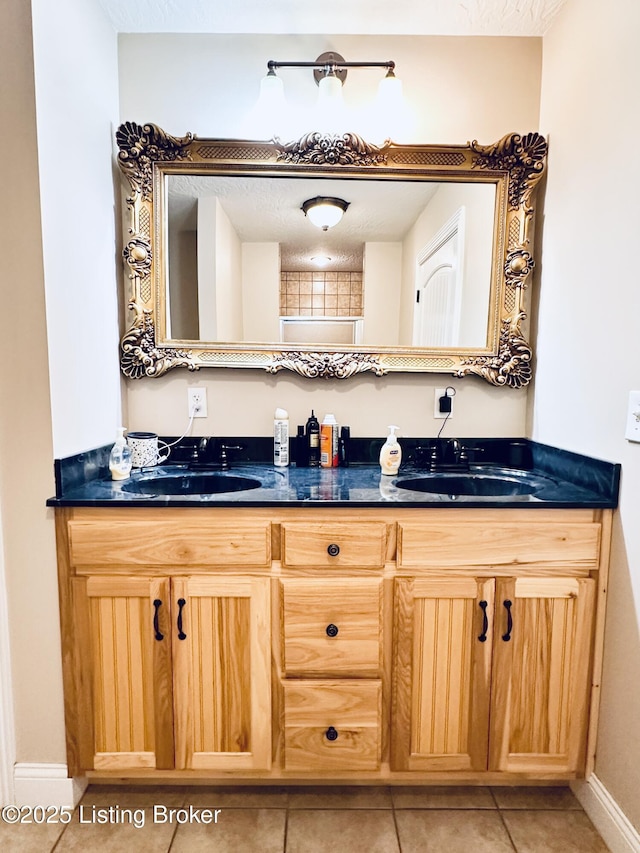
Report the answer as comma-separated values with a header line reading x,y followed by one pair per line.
x,y
632,432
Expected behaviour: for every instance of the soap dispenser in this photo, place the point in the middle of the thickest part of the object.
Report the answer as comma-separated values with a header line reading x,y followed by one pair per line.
x,y
390,454
120,457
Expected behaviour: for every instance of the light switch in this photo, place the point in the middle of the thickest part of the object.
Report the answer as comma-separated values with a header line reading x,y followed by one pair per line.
x,y
632,432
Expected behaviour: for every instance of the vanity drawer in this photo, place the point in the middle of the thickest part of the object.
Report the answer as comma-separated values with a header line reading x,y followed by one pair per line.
x,y
357,544
332,627
190,543
436,545
332,725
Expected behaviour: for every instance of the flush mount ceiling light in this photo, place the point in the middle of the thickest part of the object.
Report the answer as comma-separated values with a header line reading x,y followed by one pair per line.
x,y
324,211
321,260
330,114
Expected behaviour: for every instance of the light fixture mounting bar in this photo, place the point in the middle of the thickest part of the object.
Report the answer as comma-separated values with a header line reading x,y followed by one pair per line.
x,y
329,63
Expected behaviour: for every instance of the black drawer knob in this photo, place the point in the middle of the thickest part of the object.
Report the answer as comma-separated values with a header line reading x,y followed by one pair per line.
x,y
332,630
331,733
333,550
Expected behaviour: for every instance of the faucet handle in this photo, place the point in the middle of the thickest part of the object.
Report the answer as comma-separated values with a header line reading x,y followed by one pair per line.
x,y
223,458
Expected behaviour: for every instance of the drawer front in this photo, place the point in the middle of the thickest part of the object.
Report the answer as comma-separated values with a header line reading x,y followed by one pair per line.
x,y
332,725
477,544
332,627
173,544
359,544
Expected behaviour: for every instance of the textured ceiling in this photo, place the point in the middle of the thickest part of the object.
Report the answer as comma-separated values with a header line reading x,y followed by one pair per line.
x,y
269,210
365,17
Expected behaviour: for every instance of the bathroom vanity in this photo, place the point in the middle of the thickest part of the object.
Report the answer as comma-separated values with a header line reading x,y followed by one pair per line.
x,y
330,625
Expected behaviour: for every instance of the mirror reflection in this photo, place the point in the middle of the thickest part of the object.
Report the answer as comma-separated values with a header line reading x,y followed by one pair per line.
x,y
408,264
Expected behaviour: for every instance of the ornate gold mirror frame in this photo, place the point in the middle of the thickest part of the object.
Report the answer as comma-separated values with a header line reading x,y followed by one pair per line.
x,y
147,155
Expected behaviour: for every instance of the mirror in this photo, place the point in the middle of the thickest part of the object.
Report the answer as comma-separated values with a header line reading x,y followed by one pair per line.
x,y
425,271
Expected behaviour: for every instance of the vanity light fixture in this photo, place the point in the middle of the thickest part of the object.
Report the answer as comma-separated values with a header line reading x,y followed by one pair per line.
x,y
330,72
324,211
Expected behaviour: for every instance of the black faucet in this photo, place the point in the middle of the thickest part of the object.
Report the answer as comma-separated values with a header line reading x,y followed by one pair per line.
x,y
209,453
448,455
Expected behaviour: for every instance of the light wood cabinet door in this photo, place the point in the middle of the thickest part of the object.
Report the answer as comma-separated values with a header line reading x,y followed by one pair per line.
x,y
542,646
173,673
123,673
441,674
222,676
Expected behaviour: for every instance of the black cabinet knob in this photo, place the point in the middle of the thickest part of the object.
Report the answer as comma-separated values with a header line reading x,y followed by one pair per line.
x,y
333,550
331,733
332,630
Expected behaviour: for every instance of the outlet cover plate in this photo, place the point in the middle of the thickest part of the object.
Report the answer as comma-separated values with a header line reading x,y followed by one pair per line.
x,y
632,432
197,399
440,392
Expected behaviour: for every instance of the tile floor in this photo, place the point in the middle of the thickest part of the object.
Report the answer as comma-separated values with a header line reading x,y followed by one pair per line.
x,y
317,820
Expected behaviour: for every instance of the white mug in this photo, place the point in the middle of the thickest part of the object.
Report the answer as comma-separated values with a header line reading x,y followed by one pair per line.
x,y
146,449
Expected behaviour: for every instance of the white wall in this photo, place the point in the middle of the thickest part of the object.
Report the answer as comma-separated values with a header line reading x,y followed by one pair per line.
x,y
228,278
75,53
382,270
261,291
207,286
589,314
59,383
458,89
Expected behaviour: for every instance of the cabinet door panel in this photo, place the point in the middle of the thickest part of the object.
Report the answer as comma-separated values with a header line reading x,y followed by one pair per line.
x,y
541,688
222,682
442,671
123,673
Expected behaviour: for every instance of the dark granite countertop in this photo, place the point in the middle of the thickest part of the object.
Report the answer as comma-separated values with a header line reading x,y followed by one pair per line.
x,y
559,479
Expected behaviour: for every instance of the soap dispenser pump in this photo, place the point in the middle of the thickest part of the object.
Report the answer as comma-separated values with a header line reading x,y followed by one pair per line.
x,y
120,457
390,454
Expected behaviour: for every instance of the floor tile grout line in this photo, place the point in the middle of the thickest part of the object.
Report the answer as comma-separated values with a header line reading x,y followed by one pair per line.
x,y
173,838
286,827
59,838
506,829
395,819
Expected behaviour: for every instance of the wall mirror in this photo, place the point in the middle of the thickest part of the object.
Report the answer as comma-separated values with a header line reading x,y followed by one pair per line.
x,y
424,271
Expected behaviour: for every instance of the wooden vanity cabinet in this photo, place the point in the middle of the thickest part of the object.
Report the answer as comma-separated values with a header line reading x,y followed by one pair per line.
x,y
286,643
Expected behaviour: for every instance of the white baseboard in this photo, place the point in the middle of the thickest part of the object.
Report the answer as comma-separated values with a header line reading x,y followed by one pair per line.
x,y
46,785
618,833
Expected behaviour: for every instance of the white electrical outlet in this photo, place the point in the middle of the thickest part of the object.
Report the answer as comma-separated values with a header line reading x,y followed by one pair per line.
x,y
632,432
440,392
197,402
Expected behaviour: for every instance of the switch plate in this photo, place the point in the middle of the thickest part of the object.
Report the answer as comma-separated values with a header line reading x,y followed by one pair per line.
x,y
440,392
632,433
197,402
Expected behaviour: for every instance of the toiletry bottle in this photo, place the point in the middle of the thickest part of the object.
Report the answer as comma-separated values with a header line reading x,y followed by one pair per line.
x,y
281,438
301,454
120,457
312,431
343,446
329,442
390,454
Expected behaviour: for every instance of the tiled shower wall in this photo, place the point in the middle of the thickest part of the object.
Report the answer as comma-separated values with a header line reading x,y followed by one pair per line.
x,y
327,294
